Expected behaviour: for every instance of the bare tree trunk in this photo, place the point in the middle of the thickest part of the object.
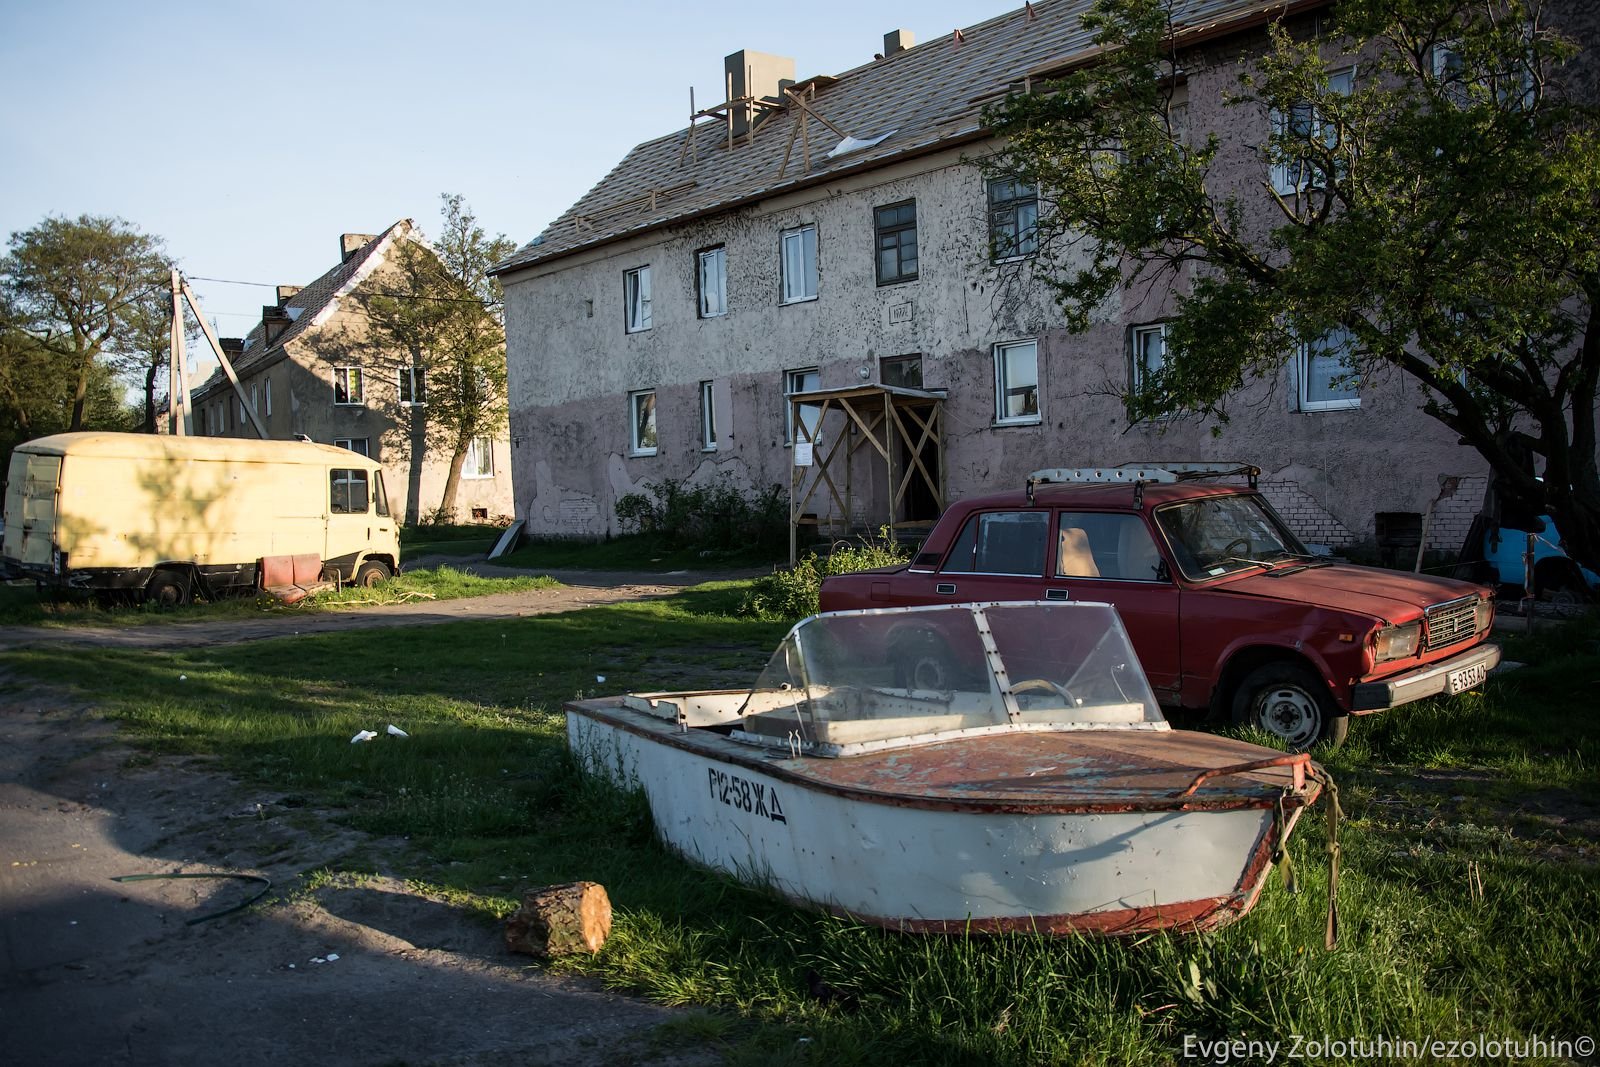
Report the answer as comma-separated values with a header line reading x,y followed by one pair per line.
x,y
452,481
80,398
150,373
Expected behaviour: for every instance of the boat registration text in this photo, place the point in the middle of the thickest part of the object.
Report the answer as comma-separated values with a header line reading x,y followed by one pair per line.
x,y
745,795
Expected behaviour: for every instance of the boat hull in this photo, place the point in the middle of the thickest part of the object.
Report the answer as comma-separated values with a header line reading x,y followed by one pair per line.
x,y
937,860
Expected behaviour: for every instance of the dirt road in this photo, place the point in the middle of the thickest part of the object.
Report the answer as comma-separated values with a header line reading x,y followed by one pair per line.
x,y
93,971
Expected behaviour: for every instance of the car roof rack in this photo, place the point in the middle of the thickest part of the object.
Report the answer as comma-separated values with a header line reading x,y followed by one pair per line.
x,y
1139,475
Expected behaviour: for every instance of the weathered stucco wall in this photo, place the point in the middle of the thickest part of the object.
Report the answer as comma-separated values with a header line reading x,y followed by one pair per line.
x,y
572,364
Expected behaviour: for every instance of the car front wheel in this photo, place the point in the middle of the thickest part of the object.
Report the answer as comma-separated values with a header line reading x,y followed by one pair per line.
x,y
1290,703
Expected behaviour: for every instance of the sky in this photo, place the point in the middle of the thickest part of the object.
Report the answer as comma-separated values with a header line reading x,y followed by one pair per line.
x,y
250,136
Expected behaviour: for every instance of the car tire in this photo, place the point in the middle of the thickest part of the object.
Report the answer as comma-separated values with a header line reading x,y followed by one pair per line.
x,y
370,574
167,589
1290,703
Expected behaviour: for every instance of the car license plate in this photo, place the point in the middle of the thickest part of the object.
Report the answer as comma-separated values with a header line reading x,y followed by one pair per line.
x,y
1464,679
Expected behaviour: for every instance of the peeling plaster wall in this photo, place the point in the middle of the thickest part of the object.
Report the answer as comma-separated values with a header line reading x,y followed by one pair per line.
x,y
572,365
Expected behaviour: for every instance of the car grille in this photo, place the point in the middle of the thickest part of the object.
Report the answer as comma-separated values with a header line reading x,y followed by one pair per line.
x,y
1451,621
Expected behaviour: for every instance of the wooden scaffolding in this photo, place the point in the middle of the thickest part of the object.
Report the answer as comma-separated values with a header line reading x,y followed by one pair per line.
x,y
905,429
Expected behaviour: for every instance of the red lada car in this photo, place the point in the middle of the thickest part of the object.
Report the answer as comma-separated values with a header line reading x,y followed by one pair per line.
x,y
1227,610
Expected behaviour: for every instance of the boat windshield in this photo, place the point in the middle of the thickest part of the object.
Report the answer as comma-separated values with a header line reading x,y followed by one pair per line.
x,y
1218,535
848,680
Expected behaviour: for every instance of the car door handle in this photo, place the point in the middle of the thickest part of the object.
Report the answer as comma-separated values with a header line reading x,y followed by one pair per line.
x,y
1057,594
947,588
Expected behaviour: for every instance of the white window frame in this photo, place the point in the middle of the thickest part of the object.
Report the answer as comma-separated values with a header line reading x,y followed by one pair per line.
x,y
1141,364
636,317
794,381
415,377
1294,176
1002,388
636,445
792,290
479,450
711,270
1302,372
266,392
255,397
354,398
349,444
708,416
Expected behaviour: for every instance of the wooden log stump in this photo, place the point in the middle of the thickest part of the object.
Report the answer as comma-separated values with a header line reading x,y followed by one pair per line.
x,y
560,920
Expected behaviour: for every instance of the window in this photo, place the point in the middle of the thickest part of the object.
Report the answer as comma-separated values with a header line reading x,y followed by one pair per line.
x,y
1326,375
1149,354
1001,542
1113,547
413,383
1013,219
804,380
480,459
1513,87
711,274
266,393
798,264
1302,125
347,385
222,417
1016,383
244,416
642,408
896,228
636,299
708,417
347,492
255,397
358,445
379,496
903,371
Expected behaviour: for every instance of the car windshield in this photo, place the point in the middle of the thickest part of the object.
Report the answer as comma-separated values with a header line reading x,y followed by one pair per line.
x,y
1217,535
850,680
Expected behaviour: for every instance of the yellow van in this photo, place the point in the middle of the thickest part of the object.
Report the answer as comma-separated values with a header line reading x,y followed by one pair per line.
x,y
169,517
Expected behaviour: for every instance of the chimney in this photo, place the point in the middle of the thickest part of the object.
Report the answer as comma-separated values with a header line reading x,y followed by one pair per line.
x,y
759,75
285,292
897,41
274,320
351,243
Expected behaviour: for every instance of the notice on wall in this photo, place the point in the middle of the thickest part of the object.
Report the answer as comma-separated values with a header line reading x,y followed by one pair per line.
x,y
802,453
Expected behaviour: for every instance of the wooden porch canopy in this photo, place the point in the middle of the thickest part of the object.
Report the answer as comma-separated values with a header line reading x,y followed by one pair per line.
x,y
883,416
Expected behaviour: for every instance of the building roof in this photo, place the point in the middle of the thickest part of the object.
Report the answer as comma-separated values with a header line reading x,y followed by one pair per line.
x,y
311,306
922,99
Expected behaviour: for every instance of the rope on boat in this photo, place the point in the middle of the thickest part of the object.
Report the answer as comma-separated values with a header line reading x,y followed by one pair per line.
x,y
1280,850
1330,937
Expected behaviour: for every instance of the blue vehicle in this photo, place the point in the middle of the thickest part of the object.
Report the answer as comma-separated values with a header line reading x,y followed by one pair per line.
x,y
1556,576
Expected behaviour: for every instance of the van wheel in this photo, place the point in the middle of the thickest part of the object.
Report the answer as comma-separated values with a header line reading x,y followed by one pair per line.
x,y
1290,703
167,589
370,574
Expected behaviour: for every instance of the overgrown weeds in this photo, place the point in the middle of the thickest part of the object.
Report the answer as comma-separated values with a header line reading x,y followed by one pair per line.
x,y
792,593
715,516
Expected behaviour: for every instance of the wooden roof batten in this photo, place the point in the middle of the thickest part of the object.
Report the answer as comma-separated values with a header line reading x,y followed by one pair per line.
x,y
882,416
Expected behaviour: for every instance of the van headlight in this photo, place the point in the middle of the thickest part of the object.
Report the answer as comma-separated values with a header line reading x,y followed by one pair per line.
x,y
1485,614
1396,642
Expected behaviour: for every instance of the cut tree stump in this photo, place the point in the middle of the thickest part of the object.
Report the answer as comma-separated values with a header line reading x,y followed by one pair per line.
x,y
561,920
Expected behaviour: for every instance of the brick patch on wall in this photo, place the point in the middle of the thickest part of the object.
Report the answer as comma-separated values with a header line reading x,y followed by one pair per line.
x,y
1454,514
1310,521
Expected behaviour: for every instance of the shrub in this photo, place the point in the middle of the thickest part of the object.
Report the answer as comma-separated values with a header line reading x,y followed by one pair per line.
x,y
715,516
792,593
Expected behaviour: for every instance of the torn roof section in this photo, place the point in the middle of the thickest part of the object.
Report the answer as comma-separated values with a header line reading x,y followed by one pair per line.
x,y
910,101
307,307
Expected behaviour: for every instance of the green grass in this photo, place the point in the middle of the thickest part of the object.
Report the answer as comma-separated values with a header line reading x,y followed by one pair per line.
x,y
1434,793
21,605
634,552
472,539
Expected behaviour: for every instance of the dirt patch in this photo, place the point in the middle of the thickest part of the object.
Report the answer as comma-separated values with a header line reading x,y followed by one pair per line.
x,y
358,971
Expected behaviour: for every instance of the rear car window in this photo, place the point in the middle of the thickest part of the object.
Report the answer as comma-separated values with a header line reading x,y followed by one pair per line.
x,y
1001,542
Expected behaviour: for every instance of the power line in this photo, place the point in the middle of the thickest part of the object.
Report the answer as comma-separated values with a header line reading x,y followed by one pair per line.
x,y
395,296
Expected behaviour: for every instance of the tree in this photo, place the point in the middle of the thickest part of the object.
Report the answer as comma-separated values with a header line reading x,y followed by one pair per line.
x,y
1444,210
37,389
75,285
447,322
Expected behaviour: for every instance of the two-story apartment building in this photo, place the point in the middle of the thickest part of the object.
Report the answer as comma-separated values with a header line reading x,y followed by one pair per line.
x,y
313,366
835,232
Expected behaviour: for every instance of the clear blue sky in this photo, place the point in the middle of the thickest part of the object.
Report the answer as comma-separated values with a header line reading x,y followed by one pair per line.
x,y
250,136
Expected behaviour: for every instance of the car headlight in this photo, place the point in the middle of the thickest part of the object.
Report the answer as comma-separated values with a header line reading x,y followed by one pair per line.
x,y
1397,642
1485,615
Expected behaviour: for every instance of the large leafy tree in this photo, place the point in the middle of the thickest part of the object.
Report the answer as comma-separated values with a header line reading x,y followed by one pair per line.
x,y
442,314
76,287
37,387
1444,210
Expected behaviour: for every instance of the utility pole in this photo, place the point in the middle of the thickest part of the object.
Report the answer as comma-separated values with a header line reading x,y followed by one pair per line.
x,y
180,286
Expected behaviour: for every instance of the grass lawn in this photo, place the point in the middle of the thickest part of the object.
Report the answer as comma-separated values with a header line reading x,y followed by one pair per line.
x,y
472,539
22,605
1500,787
633,552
